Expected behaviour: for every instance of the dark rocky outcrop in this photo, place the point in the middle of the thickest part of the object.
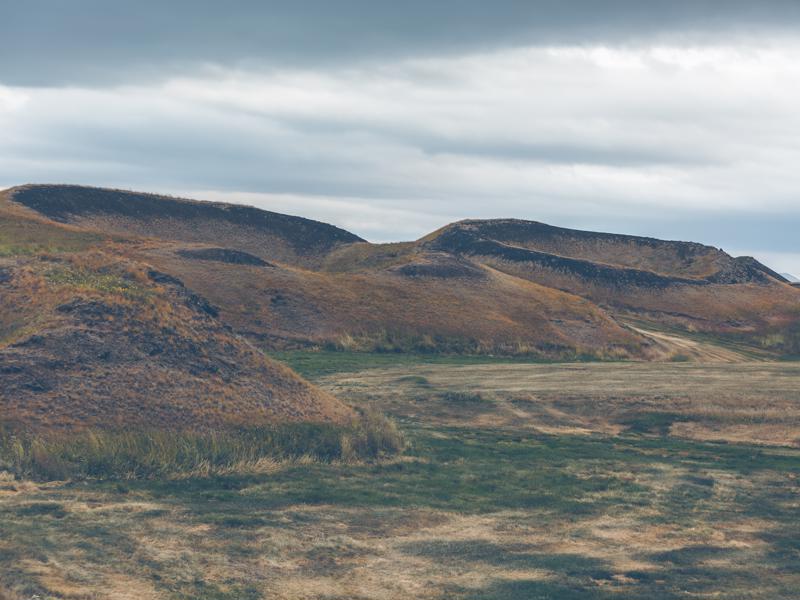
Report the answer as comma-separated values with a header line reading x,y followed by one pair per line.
x,y
470,244
224,255
440,266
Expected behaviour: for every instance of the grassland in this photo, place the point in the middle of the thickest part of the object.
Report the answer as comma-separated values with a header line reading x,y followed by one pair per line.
x,y
520,481
315,364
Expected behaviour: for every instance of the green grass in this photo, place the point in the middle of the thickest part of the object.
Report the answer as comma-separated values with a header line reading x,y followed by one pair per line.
x,y
483,471
546,480
319,363
101,282
509,500
652,422
462,397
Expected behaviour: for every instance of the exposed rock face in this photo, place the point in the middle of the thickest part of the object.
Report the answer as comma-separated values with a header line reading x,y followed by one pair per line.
x,y
224,255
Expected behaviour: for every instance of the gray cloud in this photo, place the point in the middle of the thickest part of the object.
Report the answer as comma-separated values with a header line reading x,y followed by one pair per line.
x,y
80,42
675,120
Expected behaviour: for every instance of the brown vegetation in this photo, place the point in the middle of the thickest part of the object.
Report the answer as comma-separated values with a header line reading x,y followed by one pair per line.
x,y
500,287
91,338
756,403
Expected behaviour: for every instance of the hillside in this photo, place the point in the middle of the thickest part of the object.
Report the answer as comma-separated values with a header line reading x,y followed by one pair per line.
x,y
271,236
629,254
679,284
500,286
89,337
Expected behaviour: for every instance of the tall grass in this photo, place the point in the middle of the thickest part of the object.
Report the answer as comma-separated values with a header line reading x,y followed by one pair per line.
x,y
103,454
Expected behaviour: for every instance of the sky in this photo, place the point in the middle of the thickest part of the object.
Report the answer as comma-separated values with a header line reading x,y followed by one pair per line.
x,y
676,120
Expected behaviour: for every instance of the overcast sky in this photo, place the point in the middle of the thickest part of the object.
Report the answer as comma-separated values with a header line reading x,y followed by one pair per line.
x,y
674,119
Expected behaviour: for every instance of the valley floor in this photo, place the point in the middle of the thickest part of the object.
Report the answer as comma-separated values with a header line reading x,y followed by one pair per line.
x,y
522,481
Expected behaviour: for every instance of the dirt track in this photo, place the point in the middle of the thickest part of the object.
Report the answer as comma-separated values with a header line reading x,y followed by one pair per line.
x,y
704,352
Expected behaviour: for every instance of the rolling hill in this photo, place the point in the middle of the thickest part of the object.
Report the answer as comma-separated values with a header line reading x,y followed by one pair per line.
x,y
89,337
289,239
501,286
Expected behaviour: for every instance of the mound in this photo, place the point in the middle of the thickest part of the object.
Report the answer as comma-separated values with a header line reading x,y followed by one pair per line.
x,y
421,302
676,284
683,262
93,340
233,257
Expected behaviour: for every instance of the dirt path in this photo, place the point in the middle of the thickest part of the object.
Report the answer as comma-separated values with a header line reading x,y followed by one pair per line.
x,y
704,352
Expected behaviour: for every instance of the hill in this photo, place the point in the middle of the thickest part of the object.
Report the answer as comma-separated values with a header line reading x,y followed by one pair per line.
x,y
501,286
89,337
271,236
629,259
661,283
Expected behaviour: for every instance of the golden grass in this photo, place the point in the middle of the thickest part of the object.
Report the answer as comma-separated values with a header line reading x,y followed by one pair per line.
x,y
376,310
736,402
134,454
333,554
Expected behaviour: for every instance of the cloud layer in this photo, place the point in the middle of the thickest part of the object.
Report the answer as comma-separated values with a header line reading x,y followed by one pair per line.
x,y
646,126
81,41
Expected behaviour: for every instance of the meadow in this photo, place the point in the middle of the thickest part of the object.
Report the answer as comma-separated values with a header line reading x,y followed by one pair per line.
x,y
518,481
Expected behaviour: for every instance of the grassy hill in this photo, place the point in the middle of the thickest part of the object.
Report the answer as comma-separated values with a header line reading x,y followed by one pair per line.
x,y
104,342
681,261
475,287
680,285
263,233
90,337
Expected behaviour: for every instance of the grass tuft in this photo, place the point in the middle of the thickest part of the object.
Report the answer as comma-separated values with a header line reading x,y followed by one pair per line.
x,y
108,283
115,455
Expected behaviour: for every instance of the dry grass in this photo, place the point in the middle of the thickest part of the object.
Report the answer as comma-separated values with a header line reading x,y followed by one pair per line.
x,y
609,504
375,310
141,453
591,481
133,350
744,403
25,233
303,552
357,292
